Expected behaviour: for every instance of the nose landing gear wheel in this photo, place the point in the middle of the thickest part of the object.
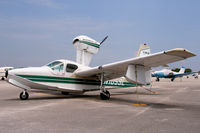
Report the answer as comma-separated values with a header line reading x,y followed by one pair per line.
x,y
105,95
24,95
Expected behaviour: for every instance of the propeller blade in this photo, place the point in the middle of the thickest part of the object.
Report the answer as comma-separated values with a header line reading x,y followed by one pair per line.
x,y
103,40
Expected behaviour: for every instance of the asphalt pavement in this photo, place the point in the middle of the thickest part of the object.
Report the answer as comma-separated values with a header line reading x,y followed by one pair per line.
x,y
171,107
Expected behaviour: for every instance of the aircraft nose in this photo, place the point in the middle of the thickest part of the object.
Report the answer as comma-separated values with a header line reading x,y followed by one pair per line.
x,y
11,72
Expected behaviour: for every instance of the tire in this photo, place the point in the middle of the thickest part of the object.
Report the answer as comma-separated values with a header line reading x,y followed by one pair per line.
x,y
2,78
24,96
64,93
105,95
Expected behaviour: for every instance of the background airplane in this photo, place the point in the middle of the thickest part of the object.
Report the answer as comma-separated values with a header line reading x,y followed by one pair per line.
x,y
166,73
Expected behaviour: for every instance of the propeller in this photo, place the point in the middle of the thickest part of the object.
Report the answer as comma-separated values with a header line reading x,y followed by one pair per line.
x,y
171,74
6,73
103,40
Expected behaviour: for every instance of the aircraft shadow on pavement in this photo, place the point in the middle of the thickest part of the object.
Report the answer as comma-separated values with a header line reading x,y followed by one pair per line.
x,y
56,95
46,97
96,97
142,102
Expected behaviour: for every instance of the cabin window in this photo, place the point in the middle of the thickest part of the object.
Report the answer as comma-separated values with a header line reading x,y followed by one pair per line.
x,y
56,66
71,68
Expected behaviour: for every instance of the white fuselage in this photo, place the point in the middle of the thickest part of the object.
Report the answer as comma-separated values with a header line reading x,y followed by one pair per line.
x,y
165,73
60,76
52,78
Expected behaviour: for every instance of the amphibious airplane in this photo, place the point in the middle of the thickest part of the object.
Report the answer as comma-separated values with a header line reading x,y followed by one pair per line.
x,y
3,71
166,73
77,77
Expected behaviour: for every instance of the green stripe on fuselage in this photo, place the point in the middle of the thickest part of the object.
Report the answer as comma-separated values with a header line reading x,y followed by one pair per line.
x,y
37,78
65,80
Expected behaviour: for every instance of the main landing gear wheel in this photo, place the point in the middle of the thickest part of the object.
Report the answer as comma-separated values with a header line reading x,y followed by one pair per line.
x,y
2,78
24,95
157,79
105,95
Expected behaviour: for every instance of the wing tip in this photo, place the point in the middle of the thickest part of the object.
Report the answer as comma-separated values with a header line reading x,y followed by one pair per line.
x,y
180,52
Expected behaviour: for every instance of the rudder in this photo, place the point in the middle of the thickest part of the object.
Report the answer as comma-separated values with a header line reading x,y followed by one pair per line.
x,y
144,50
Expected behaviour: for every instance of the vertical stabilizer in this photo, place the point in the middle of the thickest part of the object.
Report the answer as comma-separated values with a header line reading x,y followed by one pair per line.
x,y
86,47
144,50
182,70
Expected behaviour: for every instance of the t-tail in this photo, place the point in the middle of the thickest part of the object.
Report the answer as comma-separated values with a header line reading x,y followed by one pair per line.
x,y
144,50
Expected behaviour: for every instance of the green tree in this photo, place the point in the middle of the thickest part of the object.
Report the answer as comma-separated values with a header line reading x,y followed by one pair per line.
x,y
176,69
186,70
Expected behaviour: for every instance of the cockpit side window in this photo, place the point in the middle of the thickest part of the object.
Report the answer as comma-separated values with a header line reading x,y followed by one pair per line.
x,y
56,66
71,68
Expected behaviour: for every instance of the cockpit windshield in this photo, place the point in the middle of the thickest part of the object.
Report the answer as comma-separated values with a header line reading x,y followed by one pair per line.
x,y
54,63
56,66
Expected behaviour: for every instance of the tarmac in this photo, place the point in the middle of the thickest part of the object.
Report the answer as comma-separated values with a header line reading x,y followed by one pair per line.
x,y
172,107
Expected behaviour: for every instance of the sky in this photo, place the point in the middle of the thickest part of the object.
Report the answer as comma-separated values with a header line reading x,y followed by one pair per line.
x,y
35,32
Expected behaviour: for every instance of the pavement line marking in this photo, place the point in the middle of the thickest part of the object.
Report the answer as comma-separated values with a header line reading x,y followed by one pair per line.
x,y
165,99
195,90
154,92
39,93
142,111
140,104
173,109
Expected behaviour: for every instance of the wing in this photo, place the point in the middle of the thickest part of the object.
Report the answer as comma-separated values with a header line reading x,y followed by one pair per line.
x,y
183,74
118,69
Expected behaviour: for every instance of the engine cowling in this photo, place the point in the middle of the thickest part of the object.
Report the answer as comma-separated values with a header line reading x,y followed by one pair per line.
x,y
86,47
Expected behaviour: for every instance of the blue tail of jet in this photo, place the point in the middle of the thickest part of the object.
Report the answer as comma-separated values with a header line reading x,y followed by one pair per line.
x,y
182,70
